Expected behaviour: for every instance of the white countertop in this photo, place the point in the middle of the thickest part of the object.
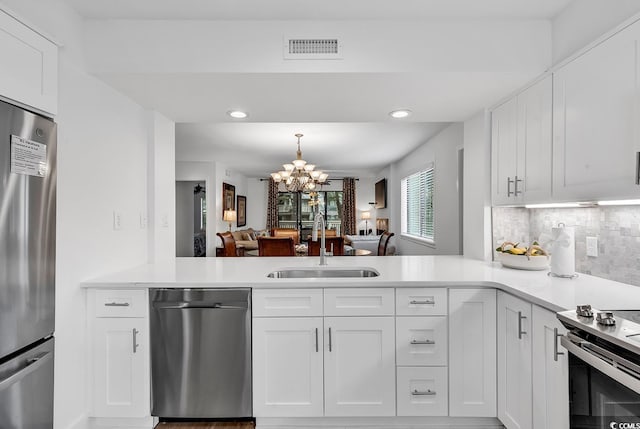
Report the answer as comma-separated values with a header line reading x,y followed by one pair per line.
x,y
395,271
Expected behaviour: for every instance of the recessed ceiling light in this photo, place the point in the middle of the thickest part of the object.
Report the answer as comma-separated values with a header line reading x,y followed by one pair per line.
x,y
237,114
399,114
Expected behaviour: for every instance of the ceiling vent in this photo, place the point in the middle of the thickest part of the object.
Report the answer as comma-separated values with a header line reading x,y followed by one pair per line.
x,y
317,48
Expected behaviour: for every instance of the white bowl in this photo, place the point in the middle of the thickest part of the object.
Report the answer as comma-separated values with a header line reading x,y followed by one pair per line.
x,y
521,262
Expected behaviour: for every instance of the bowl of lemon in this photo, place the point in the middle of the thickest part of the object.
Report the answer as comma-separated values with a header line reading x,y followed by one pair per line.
x,y
512,255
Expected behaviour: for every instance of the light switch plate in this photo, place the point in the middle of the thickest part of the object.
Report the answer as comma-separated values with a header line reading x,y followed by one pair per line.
x,y
117,220
592,246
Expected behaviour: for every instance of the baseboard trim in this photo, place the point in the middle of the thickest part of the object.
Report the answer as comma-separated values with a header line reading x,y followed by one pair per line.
x,y
380,423
124,423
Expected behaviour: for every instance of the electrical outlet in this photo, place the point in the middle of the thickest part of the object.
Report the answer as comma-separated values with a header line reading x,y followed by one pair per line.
x,y
117,220
164,221
143,221
592,246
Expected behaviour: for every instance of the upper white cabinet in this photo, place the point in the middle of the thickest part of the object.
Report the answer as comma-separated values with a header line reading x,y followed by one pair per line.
x,y
472,353
596,117
29,67
521,147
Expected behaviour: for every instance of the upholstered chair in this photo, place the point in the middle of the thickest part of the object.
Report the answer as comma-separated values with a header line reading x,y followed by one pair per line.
x,y
338,246
229,245
276,246
287,232
384,242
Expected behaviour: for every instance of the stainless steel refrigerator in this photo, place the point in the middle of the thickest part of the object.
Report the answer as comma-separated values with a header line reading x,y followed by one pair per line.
x,y
27,268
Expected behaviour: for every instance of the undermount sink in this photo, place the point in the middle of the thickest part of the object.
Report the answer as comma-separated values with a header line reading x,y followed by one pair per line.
x,y
322,272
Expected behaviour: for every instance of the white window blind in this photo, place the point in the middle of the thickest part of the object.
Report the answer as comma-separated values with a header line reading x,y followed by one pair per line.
x,y
417,205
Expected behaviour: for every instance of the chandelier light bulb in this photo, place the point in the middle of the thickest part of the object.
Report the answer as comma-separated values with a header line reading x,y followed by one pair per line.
x,y
315,174
284,174
276,177
299,163
288,167
323,177
309,168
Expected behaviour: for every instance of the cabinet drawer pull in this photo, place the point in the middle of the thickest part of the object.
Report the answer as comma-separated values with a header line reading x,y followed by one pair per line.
x,y
637,168
135,340
520,331
329,339
422,342
317,349
428,392
425,302
116,304
509,182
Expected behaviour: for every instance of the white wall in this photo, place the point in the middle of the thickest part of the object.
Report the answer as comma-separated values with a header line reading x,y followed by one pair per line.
x,y
442,150
583,21
161,192
477,187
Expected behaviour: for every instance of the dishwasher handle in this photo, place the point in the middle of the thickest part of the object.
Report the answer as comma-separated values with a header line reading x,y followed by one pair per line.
x,y
185,305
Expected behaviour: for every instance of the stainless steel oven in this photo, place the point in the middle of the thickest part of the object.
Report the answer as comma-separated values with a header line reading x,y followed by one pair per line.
x,y
604,369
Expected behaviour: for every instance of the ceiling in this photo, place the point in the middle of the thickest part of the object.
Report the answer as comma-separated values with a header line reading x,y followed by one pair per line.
x,y
344,116
257,149
317,10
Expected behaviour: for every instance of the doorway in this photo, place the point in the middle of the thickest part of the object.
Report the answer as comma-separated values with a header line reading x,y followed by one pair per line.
x,y
191,219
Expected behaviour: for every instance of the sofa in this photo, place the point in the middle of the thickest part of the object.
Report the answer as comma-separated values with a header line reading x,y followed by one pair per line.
x,y
368,242
247,237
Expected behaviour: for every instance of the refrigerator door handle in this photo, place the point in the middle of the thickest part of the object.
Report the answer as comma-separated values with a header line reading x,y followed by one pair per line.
x,y
32,365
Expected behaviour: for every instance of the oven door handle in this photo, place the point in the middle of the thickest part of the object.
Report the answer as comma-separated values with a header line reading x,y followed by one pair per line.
x,y
608,363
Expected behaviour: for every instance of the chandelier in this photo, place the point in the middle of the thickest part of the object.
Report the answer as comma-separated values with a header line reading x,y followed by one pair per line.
x,y
299,176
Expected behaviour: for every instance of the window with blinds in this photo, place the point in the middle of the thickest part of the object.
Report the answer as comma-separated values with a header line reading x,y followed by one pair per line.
x,y
417,205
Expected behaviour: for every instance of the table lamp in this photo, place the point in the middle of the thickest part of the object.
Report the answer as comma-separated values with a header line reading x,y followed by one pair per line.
x,y
366,216
230,216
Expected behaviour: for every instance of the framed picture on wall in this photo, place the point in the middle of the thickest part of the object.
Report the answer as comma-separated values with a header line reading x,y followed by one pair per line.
x,y
242,210
228,197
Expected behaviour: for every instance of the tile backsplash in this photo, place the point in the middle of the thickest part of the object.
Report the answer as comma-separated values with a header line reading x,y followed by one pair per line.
x,y
616,227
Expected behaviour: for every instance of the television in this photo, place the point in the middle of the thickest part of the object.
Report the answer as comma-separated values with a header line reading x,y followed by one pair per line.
x,y
381,194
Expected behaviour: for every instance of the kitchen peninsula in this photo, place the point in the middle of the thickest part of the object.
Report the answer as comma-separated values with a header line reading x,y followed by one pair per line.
x,y
432,317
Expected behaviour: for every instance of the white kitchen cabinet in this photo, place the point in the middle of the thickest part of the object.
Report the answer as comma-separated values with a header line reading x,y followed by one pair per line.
x,y
596,116
504,134
119,380
120,367
521,146
359,366
29,71
288,367
472,353
550,372
514,362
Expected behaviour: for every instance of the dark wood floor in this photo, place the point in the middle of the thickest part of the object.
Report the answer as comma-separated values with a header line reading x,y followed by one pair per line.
x,y
207,425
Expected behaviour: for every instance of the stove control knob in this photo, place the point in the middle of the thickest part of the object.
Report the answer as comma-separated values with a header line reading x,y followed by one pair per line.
x,y
584,311
605,318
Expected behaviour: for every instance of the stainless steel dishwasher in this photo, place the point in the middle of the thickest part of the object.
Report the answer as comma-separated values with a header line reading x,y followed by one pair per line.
x,y
200,353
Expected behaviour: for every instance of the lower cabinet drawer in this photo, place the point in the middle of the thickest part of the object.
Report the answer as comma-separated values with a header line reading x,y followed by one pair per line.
x,y
422,391
421,341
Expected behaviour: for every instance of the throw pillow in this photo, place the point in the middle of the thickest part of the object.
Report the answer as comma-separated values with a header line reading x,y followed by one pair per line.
x,y
247,237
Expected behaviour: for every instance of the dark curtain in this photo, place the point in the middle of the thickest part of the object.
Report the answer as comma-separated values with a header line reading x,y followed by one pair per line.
x,y
272,205
349,206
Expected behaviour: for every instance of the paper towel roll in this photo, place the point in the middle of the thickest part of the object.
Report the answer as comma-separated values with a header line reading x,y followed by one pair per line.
x,y
563,251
